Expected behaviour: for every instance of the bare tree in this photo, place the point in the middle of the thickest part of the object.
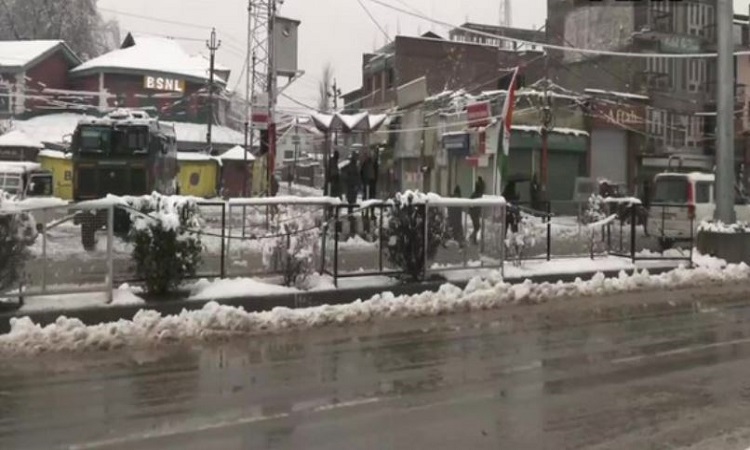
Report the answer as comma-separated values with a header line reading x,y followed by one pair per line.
x,y
76,22
325,88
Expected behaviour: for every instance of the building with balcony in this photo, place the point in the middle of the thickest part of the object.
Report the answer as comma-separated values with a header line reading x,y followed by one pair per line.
x,y
445,64
681,92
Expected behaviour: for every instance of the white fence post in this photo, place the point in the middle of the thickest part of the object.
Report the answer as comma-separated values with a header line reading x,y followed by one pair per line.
x,y
110,256
44,250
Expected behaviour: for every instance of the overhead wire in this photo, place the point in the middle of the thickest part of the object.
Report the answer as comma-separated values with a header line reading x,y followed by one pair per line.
x,y
374,21
563,48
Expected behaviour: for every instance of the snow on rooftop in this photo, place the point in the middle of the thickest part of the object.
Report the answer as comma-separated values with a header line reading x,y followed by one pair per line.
x,y
196,157
18,166
237,153
50,128
54,128
21,53
196,132
536,129
18,138
152,54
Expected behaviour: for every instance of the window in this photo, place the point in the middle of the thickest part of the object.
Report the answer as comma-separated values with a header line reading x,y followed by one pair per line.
x,y
671,190
95,139
391,78
703,192
655,123
696,76
658,70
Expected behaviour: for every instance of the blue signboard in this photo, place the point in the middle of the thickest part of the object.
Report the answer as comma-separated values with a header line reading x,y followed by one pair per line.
x,y
457,145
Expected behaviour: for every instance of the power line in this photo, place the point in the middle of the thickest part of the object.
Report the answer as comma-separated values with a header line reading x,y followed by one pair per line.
x,y
171,22
563,48
377,24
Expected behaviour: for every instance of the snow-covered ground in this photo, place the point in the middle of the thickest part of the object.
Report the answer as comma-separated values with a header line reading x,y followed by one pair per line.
x,y
124,295
216,321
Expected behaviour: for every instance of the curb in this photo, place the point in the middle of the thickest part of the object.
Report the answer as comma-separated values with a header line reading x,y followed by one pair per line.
x,y
97,315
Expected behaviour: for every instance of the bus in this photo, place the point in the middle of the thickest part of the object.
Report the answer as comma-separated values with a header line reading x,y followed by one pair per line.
x,y
126,153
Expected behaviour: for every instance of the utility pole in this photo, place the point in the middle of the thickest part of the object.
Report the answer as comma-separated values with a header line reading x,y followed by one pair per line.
x,y
725,176
293,172
271,90
546,118
248,97
336,93
213,45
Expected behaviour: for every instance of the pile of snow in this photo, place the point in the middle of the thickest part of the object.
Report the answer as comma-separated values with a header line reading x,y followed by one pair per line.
x,y
357,243
720,227
125,295
217,321
18,138
240,287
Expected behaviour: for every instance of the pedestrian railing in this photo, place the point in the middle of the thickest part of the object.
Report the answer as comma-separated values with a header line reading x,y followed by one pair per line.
x,y
350,240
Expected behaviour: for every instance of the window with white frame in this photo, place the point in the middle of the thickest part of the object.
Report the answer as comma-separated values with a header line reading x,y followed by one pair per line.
x,y
658,70
696,76
695,133
655,123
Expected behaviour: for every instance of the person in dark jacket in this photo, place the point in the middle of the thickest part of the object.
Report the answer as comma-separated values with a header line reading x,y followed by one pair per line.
x,y
368,175
352,180
456,219
476,212
334,176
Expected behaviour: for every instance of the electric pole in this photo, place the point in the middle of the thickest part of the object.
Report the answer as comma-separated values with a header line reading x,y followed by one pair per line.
x,y
546,118
271,90
336,93
213,45
725,176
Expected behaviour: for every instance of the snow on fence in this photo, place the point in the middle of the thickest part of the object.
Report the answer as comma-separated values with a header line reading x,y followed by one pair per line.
x,y
239,235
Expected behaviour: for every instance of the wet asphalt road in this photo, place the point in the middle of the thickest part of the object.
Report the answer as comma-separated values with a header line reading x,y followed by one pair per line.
x,y
525,377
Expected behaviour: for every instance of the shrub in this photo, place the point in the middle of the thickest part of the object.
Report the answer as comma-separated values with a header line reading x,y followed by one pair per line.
x,y
293,249
166,247
17,232
527,236
404,234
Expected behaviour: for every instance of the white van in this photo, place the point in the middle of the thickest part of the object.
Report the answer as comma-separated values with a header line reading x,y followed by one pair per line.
x,y
682,199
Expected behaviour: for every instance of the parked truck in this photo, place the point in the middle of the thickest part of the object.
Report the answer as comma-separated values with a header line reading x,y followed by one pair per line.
x,y
127,153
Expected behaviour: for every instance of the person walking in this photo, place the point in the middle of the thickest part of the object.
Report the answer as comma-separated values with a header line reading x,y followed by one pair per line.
x,y
352,180
456,219
476,212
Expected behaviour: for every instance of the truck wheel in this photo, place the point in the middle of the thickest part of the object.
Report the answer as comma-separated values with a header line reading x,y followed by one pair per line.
x,y
665,244
88,235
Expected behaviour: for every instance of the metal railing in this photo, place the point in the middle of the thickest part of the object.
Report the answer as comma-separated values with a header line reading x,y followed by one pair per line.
x,y
233,250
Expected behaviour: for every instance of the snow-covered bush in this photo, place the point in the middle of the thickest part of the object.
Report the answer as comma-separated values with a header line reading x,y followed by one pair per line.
x,y
293,249
166,247
17,232
517,244
404,233
595,210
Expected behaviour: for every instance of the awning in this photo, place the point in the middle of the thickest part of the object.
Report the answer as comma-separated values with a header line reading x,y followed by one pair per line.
x,y
361,122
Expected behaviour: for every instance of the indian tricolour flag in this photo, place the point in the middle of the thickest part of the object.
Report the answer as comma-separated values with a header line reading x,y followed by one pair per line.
x,y
508,108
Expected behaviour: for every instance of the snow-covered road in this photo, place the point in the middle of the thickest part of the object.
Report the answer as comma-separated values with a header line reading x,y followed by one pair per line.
x,y
594,373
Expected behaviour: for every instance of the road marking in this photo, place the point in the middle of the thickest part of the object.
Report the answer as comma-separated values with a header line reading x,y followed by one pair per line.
x,y
186,429
680,351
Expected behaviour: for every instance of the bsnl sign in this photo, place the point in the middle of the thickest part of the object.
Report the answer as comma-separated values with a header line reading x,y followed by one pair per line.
x,y
163,84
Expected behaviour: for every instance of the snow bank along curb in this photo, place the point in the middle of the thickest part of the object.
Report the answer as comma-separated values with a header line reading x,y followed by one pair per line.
x,y
216,321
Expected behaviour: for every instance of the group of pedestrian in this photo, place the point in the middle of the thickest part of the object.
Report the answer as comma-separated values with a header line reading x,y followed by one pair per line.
x,y
357,176
456,215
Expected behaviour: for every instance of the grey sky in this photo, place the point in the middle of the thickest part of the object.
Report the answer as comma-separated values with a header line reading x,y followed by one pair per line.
x,y
335,31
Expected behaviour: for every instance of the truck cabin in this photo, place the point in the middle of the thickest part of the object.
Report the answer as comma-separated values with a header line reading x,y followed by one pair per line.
x,y
25,180
112,140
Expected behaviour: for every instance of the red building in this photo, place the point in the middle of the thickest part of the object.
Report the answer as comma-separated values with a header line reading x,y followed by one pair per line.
x,y
153,72
34,76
